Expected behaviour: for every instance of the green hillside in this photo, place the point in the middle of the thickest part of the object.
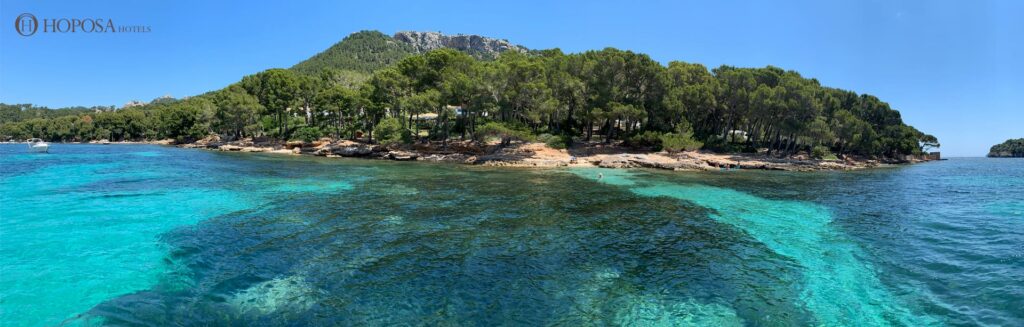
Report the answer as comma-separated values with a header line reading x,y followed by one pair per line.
x,y
362,52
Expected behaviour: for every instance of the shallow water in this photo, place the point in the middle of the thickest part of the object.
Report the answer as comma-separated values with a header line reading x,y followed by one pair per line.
x,y
135,234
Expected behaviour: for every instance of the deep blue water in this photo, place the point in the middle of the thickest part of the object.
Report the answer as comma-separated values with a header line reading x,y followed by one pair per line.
x,y
150,235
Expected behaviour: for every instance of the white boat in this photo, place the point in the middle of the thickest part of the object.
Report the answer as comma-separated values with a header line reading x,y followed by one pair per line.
x,y
37,145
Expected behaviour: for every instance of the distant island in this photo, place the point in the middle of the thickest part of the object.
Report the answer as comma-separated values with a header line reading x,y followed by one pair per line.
x,y
424,90
1012,148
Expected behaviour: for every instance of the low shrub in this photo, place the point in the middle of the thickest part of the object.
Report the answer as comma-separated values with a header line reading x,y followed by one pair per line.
x,y
556,142
822,152
502,131
645,139
390,130
674,142
307,134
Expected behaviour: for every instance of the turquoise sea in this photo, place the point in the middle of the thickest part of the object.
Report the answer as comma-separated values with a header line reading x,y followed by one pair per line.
x,y
151,235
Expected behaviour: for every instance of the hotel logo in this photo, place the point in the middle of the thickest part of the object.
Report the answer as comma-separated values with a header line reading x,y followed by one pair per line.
x,y
27,25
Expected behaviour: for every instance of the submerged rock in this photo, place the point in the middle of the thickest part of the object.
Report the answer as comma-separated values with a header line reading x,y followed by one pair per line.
x,y
291,294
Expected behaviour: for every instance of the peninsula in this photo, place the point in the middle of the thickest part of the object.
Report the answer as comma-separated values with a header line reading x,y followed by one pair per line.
x,y
481,100
1012,148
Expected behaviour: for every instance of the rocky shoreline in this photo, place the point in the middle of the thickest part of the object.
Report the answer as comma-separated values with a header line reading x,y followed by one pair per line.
x,y
535,155
539,155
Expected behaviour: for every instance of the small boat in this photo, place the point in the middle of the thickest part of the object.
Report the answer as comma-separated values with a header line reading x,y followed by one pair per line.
x,y
37,145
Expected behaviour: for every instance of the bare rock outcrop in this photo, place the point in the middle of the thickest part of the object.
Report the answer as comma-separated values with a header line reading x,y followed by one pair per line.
x,y
479,46
349,149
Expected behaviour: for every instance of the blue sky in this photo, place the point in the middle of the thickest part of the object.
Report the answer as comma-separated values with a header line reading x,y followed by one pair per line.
x,y
953,68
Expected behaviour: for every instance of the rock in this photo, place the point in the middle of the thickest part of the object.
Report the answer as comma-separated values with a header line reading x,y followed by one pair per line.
x,y
457,158
352,150
614,163
402,155
478,46
324,151
211,138
294,144
229,147
297,150
322,142
210,141
243,142
254,149
280,151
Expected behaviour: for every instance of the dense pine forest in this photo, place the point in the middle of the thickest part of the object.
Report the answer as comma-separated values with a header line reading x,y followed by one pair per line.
x,y
372,88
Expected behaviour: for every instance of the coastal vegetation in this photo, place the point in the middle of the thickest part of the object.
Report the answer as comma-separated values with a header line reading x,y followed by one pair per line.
x,y
371,88
1012,148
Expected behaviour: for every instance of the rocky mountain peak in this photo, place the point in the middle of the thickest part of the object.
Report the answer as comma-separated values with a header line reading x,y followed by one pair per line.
x,y
473,44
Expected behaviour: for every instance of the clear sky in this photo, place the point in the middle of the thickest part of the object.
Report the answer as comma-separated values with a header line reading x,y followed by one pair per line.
x,y
954,69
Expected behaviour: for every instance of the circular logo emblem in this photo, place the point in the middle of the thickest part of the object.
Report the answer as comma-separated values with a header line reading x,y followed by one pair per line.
x,y
26,24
